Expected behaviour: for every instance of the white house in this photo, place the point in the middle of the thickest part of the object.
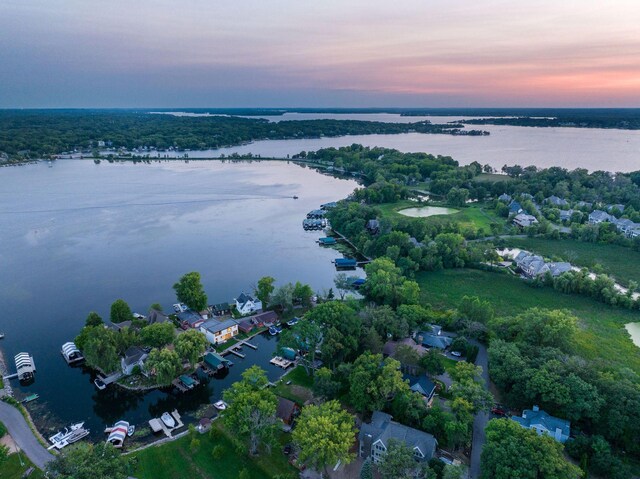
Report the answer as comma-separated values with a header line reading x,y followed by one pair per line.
x,y
524,220
246,304
219,331
134,356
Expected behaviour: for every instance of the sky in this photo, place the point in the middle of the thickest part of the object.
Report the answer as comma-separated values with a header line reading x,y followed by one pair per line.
x,y
328,53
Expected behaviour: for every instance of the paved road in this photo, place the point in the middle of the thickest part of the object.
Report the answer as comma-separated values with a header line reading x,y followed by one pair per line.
x,y
22,435
481,419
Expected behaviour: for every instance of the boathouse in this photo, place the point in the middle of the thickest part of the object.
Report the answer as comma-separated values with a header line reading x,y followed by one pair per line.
x,y
328,241
215,361
345,263
71,353
25,366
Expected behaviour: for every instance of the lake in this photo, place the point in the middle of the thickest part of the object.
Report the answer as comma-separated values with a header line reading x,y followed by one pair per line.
x,y
634,331
76,236
425,211
590,148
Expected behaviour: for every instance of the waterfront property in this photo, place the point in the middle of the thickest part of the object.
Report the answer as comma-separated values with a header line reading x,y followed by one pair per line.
x,y
25,366
328,241
134,357
219,331
190,319
214,362
374,438
246,304
71,353
346,263
544,423
220,309
287,410
156,316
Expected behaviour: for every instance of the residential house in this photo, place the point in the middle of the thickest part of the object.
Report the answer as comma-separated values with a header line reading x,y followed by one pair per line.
x,y
134,356
374,438
505,198
556,201
267,318
618,207
287,410
246,304
246,326
531,265
565,215
584,204
599,216
328,206
430,340
515,208
219,331
556,269
221,309
623,225
422,384
544,423
156,316
190,319
373,226
524,220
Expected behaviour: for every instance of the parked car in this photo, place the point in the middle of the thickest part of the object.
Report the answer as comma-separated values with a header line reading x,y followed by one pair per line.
x,y
293,322
457,354
498,410
287,449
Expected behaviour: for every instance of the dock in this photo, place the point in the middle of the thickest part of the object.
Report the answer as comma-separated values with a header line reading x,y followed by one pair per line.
x,y
157,425
237,353
281,362
112,378
10,376
244,343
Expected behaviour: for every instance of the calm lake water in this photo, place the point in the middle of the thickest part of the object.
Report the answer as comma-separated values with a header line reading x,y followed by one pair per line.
x,y
590,148
77,236
634,330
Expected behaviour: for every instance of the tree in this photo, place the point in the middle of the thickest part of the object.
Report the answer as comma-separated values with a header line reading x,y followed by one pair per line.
x,y
324,384
282,298
191,345
156,306
366,471
399,463
264,289
432,362
157,335
98,345
386,285
120,311
189,290
164,364
469,386
374,381
302,294
452,472
4,453
94,319
324,434
513,451
305,337
457,196
251,413
88,461
342,284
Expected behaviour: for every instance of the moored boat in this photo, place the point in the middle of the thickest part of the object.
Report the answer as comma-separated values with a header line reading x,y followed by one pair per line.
x,y
220,405
168,420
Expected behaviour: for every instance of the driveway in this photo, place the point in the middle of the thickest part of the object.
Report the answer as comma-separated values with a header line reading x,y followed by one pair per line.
x,y
482,418
23,437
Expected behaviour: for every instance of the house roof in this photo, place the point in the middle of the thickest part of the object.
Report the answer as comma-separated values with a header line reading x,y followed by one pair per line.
x,y
265,317
221,307
551,423
599,215
504,197
555,200
384,429
421,384
133,355
156,316
514,206
244,298
430,340
189,317
556,269
215,326
285,409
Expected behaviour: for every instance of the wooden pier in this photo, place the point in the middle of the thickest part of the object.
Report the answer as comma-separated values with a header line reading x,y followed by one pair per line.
x,y
245,343
237,353
281,362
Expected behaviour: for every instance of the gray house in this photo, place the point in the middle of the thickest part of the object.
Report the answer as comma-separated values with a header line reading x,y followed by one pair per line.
x,y
556,201
134,356
505,198
599,216
544,423
374,438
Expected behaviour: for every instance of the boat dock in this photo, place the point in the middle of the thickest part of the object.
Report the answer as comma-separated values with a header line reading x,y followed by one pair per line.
x,y
112,378
157,425
245,343
237,353
281,362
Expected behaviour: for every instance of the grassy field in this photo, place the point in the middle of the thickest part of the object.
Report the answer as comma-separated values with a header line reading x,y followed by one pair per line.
x,y
12,469
299,390
475,215
617,261
602,333
175,460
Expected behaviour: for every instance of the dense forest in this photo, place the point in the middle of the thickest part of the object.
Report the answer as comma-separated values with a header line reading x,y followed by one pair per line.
x,y
34,134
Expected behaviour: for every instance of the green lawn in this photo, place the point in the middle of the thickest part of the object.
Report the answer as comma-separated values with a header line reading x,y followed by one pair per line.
x,y
602,333
617,261
12,469
299,390
175,460
491,178
474,215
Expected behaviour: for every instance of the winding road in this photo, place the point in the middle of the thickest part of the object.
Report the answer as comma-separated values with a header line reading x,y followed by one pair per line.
x,y
23,436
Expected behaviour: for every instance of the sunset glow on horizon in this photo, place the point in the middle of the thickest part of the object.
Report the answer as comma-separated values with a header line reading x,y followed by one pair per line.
x,y
416,53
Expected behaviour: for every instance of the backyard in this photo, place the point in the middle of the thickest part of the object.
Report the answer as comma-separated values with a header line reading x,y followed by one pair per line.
x,y
602,333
